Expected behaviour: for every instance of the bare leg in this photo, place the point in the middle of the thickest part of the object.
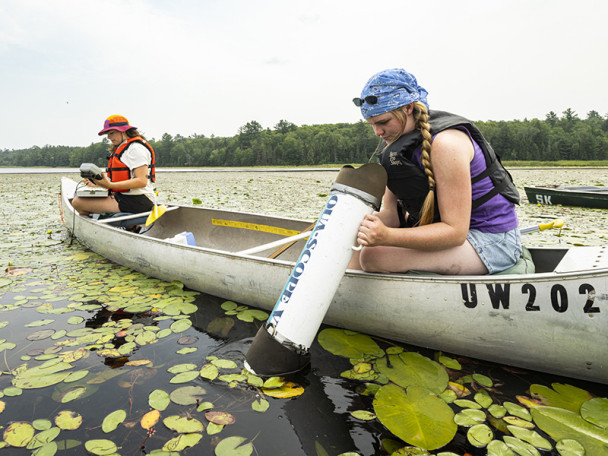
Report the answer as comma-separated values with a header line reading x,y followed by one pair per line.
x,y
85,206
355,261
456,260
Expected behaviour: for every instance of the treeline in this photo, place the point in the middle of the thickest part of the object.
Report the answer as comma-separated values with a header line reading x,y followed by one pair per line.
x,y
555,138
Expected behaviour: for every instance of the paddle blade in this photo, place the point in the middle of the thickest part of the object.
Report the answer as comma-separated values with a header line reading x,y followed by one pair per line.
x,y
557,223
155,214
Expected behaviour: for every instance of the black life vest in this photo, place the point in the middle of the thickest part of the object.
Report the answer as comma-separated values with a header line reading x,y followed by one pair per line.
x,y
410,184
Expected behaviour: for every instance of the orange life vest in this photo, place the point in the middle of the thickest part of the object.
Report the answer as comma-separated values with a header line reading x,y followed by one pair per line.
x,y
118,171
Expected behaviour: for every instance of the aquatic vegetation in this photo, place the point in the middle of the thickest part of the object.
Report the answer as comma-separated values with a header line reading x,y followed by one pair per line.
x,y
414,403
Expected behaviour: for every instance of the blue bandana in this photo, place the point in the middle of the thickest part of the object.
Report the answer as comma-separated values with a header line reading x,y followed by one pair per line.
x,y
394,88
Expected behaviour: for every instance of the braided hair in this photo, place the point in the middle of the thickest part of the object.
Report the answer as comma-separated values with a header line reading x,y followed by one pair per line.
x,y
421,117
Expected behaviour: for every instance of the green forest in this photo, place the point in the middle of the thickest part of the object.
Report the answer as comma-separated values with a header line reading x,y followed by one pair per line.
x,y
556,138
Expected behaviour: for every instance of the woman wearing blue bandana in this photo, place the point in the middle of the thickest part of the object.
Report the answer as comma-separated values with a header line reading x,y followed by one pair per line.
x,y
449,205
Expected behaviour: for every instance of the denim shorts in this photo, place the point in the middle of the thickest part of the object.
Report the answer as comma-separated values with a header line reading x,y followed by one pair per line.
x,y
498,251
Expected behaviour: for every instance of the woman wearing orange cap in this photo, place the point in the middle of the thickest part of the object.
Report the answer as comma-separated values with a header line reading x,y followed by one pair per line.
x,y
130,172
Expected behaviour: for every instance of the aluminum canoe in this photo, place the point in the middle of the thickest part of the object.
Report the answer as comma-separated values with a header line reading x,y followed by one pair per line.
x,y
555,320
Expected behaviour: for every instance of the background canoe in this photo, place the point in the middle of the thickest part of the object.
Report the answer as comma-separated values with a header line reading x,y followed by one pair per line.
x,y
596,197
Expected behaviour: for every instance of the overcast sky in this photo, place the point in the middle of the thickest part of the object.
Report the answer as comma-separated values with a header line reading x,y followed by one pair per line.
x,y
210,66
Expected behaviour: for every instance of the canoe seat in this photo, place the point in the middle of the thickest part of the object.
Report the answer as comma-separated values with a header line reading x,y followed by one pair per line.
x,y
525,265
123,223
583,259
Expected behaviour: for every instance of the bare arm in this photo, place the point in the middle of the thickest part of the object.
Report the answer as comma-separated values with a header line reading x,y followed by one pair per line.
x,y
451,154
388,214
140,180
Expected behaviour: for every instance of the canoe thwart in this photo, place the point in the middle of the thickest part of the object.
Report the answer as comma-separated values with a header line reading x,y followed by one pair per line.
x,y
272,245
111,220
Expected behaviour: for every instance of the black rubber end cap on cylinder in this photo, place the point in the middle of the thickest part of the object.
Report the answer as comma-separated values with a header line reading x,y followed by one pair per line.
x,y
268,358
370,178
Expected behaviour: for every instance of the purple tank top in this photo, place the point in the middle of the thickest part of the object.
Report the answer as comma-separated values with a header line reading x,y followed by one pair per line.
x,y
497,215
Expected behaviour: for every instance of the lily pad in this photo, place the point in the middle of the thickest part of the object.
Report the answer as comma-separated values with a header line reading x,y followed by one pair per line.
x,y
40,335
44,322
497,411
101,447
113,420
569,447
187,340
259,405
18,434
187,395
179,368
252,314
483,380
234,446
470,417
408,368
450,363
530,436
184,377
562,396
7,346
286,390
180,326
72,394
465,403
499,448
182,441
68,420
159,399
480,435
563,424
363,415
183,424
596,411
42,438
224,363
519,422
417,416
37,377
150,419
219,417
517,410
42,424
48,449
349,344
520,447
209,371
483,399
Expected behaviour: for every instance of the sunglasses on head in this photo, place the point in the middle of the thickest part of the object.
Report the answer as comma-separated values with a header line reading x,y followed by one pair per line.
x,y
370,99
373,99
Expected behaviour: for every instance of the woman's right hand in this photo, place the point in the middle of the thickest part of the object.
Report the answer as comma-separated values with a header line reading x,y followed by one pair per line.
x,y
372,231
